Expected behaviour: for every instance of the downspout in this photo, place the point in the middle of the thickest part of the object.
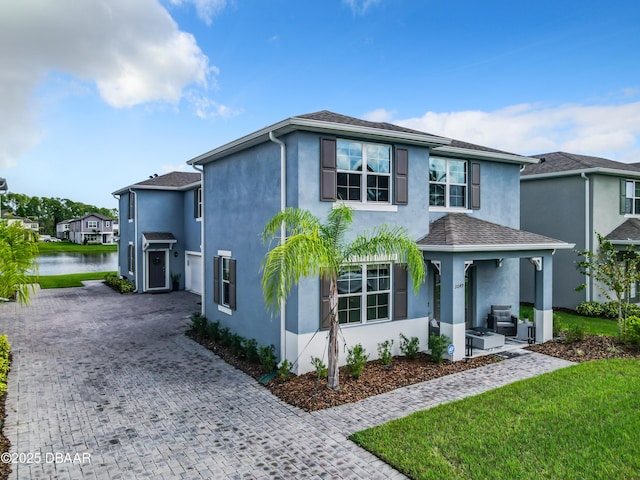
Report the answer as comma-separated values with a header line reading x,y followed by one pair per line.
x,y
135,238
587,238
117,197
202,276
283,232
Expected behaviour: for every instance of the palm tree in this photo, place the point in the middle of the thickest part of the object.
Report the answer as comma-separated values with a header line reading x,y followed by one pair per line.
x,y
315,249
18,252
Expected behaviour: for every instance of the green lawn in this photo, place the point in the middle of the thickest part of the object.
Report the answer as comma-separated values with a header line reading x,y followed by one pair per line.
x,y
45,247
575,423
69,280
592,326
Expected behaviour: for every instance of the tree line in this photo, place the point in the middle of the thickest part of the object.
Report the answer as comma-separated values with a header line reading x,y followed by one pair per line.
x,y
48,211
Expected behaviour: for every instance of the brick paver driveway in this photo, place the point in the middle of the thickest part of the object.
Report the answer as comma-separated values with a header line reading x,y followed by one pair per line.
x,y
106,386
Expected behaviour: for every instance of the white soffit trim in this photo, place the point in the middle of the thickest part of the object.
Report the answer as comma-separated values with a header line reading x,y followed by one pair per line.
x,y
568,173
495,248
294,123
482,154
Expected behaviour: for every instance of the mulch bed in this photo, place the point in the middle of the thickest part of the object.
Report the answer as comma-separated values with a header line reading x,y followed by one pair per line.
x,y
310,393
5,444
591,348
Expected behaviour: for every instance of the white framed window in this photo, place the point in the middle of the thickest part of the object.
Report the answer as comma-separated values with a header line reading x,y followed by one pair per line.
x,y
198,202
107,223
224,281
131,258
447,183
92,224
364,294
363,172
632,197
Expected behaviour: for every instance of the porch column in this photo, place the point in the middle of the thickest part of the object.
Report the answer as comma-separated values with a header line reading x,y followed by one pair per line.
x,y
452,302
543,306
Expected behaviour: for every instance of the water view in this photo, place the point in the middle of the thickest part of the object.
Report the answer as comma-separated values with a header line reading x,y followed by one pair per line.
x,y
72,262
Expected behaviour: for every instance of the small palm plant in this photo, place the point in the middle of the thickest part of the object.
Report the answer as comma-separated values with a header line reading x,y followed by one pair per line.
x,y
18,254
316,249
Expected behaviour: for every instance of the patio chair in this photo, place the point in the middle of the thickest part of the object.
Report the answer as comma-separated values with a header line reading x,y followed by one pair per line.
x,y
501,321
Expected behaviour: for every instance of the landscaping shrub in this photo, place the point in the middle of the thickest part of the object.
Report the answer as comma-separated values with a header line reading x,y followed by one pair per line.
x,y
225,336
590,309
284,370
409,347
267,358
251,350
121,285
236,343
438,345
632,333
198,325
356,360
384,352
5,349
575,333
213,331
320,366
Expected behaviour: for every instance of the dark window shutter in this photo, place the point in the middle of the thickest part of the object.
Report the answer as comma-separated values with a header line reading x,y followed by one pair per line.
x,y
400,282
325,286
401,177
475,186
328,174
623,196
216,280
195,203
232,284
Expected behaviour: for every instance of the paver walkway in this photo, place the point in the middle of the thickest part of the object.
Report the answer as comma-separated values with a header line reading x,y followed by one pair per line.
x,y
111,383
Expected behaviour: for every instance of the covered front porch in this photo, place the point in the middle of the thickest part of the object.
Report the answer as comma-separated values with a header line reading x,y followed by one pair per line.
x,y
474,265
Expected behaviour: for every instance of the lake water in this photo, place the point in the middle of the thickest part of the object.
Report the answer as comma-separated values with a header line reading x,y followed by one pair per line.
x,y
72,262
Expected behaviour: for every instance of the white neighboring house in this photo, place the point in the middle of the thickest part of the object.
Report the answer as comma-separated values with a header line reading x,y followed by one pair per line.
x,y
62,230
26,222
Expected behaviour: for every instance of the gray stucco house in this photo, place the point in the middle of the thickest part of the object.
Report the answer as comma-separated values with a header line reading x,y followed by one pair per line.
x,y
575,197
460,202
160,223
93,228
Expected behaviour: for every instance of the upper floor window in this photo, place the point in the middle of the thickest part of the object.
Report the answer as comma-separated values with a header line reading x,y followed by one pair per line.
x,y
197,202
132,206
447,182
363,172
92,224
107,223
631,197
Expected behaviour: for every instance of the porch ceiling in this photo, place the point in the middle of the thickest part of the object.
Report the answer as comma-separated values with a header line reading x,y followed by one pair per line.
x,y
458,232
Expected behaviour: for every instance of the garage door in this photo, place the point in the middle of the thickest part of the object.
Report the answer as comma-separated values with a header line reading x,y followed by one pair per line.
x,y
193,273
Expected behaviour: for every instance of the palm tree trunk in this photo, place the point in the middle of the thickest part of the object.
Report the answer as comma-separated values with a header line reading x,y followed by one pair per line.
x,y
333,374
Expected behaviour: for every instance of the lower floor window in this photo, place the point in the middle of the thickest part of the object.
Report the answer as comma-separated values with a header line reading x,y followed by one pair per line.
x,y
226,262
364,293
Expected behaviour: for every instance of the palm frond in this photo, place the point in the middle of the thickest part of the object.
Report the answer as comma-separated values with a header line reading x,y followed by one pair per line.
x,y
296,220
338,221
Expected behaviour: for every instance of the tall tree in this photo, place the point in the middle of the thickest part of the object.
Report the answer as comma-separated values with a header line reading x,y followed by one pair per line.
x,y
312,248
614,271
18,252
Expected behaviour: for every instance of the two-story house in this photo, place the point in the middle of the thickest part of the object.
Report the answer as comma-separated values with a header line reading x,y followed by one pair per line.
x,y
460,202
93,228
576,197
160,232
62,230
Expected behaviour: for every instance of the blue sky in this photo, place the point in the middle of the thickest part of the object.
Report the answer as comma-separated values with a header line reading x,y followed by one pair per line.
x,y
100,94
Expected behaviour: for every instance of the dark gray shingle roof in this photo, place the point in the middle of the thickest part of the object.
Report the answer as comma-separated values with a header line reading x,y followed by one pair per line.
x,y
629,231
456,229
564,162
172,179
327,116
159,236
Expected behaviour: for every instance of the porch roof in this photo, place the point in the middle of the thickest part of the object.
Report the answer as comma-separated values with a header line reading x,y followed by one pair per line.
x,y
626,234
459,232
158,237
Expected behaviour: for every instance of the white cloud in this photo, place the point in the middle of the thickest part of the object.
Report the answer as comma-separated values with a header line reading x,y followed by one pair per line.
x,y
378,115
133,51
610,131
206,9
360,7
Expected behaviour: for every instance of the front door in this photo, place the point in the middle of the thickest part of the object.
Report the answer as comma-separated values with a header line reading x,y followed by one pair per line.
x,y
157,269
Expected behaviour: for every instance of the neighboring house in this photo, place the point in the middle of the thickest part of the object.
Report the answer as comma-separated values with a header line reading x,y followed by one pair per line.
x,y
26,222
92,228
460,202
574,198
62,230
160,232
